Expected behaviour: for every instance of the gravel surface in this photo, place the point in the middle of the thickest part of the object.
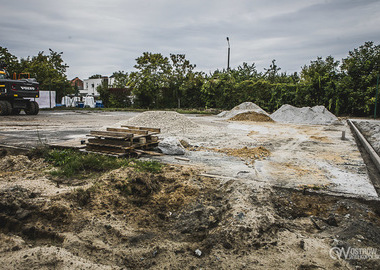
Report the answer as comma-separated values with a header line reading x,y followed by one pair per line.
x,y
317,115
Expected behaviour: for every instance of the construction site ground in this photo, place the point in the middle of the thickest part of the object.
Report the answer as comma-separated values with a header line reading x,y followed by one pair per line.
x,y
246,195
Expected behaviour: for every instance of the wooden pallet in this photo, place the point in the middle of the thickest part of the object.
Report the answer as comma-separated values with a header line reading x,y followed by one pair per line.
x,y
123,141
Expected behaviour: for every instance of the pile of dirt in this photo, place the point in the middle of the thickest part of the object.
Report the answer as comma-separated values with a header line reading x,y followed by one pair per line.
x,y
168,122
252,116
14,163
243,108
317,115
178,219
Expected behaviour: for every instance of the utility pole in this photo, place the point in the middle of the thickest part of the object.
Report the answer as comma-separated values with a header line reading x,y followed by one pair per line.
x,y
228,58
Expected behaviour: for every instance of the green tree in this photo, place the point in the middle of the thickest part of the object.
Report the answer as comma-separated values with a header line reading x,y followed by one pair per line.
x,y
151,80
49,70
191,90
181,73
119,95
360,71
321,83
219,90
121,79
10,60
95,76
272,72
104,93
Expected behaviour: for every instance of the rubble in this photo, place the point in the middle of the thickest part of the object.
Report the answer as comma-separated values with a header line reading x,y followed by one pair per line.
x,y
171,146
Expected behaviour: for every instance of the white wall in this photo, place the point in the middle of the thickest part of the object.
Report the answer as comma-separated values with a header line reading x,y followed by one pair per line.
x,y
43,100
90,85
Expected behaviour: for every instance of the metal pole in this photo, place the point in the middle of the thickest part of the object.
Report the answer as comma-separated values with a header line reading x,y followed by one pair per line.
x,y
377,94
228,58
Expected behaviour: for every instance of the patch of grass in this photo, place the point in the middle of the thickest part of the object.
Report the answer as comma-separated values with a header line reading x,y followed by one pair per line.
x,y
72,163
147,166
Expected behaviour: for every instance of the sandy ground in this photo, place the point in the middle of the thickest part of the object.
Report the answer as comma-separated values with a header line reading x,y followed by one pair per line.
x,y
300,154
248,215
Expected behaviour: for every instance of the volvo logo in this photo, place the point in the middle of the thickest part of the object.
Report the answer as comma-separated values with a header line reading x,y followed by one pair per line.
x,y
27,88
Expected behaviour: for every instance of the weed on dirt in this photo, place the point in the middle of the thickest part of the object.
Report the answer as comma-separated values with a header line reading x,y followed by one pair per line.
x,y
70,163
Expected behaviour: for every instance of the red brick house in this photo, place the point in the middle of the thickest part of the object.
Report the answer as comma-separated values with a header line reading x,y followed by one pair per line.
x,y
77,82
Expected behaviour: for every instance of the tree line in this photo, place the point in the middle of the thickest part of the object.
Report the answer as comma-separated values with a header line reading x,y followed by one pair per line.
x,y
346,87
48,69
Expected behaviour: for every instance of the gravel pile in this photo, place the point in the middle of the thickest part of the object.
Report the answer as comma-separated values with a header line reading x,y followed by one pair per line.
x,y
243,108
168,122
317,115
371,131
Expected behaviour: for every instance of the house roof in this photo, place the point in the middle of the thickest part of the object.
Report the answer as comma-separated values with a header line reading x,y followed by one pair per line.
x,y
76,78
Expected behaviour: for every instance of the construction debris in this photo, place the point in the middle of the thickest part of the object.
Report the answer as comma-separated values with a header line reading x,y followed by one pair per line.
x,y
171,146
123,141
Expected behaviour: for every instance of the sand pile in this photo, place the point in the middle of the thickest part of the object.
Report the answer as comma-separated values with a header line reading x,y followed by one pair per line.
x,y
252,116
166,121
243,108
317,115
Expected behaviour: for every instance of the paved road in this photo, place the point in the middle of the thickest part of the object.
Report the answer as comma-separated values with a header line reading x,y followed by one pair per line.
x,y
52,126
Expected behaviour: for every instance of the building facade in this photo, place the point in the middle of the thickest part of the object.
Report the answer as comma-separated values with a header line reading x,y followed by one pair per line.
x,y
90,85
76,82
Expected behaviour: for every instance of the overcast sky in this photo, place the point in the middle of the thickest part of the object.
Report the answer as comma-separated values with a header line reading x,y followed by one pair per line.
x,y
103,36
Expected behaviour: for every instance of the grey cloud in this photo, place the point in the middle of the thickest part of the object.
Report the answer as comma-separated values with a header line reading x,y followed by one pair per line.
x,y
106,36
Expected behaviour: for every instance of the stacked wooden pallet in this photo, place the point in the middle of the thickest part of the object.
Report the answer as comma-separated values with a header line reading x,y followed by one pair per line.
x,y
123,141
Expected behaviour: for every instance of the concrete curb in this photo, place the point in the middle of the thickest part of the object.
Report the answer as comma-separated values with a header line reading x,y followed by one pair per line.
x,y
14,149
372,153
